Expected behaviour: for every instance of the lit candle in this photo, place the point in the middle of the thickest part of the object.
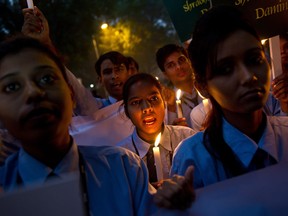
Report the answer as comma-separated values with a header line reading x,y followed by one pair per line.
x,y
30,4
178,104
157,158
205,102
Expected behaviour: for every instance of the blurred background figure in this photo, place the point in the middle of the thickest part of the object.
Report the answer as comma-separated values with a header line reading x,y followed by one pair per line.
x,y
133,65
173,61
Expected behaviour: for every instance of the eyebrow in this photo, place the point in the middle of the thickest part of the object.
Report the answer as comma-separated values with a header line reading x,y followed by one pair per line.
x,y
15,73
182,55
8,75
151,94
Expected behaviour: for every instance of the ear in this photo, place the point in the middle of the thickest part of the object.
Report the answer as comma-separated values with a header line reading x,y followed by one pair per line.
x,y
202,89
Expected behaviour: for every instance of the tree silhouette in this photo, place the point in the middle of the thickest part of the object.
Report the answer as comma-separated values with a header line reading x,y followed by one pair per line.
x,y
136,28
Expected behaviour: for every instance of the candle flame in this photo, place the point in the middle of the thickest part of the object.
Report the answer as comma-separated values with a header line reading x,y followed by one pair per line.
x,y
157,141
200,95
178,94
263,41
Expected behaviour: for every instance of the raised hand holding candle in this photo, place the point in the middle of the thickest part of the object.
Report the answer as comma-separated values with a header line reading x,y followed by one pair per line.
x,y
30,4
178,104
157,158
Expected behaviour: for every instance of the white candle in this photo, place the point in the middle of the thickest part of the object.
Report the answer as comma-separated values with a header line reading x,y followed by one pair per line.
x,y
157,158
30,4
178,104
205,102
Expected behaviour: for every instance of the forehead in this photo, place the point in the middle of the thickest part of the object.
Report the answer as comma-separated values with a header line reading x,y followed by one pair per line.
x,y
237,44
142,89
26,58
107,63
173,56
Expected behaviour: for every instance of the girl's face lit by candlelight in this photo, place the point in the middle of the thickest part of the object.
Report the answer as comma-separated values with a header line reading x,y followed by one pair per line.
x,y
146,109
241,78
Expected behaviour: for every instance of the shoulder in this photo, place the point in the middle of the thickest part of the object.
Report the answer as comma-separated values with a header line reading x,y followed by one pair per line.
x,y
104,101
180,129
124,141
278,121
8,170
190,145
110,154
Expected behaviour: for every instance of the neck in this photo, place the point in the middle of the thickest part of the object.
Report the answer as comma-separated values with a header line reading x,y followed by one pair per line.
x,y
150,138
186,86
48,151
249,124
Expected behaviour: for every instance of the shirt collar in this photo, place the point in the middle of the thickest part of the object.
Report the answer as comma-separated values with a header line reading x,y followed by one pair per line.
x,y
143,146
244,146
33,171
112,100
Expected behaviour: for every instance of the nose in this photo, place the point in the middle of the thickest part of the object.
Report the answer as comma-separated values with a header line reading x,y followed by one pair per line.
x,y
115,74
247,76
177,65
33,92
146,106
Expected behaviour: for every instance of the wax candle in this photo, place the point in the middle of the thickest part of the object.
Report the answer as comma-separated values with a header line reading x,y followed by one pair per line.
x,y
30,4
205,102
178,104
157,158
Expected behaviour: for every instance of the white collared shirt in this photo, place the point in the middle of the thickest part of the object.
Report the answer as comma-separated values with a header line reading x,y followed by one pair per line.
x,y
32,171
170,138
192,151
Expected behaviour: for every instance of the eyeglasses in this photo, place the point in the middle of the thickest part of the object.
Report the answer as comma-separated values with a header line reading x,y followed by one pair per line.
x,y
180,61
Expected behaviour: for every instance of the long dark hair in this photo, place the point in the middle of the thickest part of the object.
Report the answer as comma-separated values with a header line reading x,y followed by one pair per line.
x,y
212,29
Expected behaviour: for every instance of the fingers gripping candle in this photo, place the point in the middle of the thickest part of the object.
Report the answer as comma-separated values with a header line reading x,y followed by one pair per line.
x,y
157,158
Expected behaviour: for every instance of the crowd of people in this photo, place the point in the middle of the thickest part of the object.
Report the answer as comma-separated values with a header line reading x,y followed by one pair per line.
x,y
50,123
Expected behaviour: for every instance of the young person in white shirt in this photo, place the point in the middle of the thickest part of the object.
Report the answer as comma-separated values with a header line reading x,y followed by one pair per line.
x,y
144,105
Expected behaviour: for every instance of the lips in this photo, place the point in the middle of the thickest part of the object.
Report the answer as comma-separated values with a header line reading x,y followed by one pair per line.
x,y
41,113
116,85
149,120
253,93
181,74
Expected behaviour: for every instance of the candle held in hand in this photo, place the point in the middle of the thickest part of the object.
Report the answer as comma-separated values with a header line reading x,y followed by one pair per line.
x,y
30,4
157,158
178,104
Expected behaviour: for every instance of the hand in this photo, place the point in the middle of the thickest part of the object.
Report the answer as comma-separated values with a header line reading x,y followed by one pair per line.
x,y
280,90
170,97
176,193
180,121
36,26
